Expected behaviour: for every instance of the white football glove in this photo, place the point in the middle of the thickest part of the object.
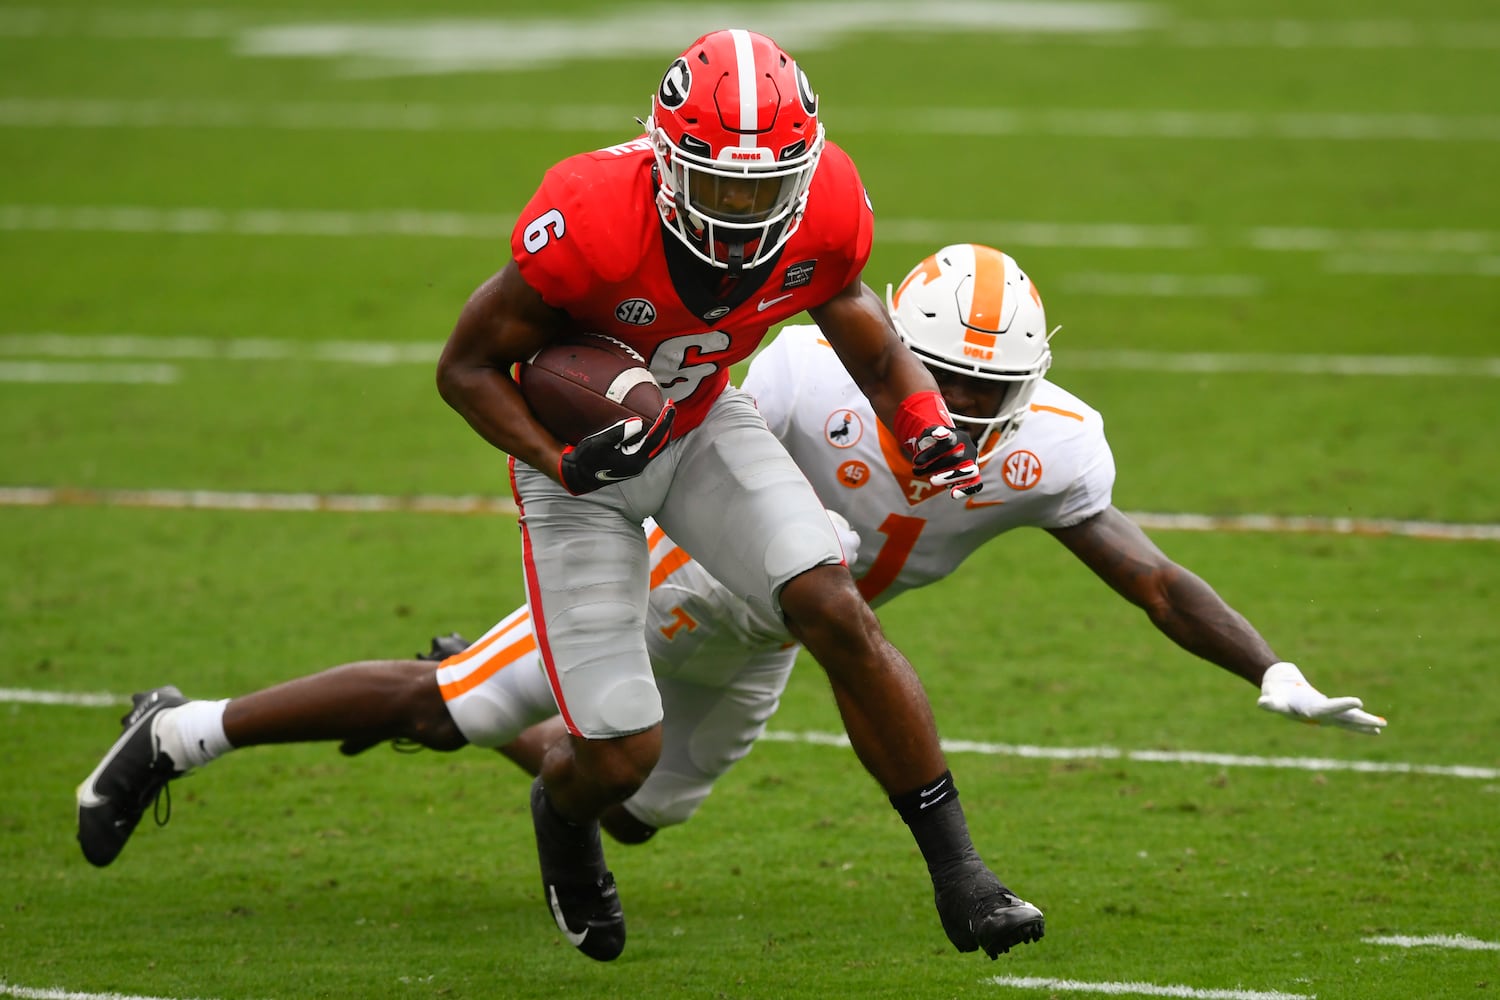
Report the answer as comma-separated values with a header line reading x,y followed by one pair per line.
x,y
1285,691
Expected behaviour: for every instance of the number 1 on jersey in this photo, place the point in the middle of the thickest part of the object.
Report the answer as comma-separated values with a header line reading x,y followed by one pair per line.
x,y
901,533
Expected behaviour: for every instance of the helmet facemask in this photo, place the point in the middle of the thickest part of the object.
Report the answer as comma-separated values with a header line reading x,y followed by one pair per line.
x,y
734,195
991,430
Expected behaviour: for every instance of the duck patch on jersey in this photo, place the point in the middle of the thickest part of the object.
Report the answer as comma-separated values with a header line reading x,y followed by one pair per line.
x,y
1021,470
843,429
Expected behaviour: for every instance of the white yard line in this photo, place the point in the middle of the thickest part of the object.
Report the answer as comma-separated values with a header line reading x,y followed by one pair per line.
x,y
1400,365
1461,942
1410,251
1101,123
54,372
367,503
1295,525
624,31
343,503
1140,989
34,993
29,696
1167,757
113,346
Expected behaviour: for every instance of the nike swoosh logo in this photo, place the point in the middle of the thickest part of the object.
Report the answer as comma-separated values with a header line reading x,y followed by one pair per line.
x,y
605,476
88,798
765,304
575,939
972,504
933,802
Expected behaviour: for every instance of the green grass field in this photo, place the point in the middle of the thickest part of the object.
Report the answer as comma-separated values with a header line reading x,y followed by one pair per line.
x,y
234,237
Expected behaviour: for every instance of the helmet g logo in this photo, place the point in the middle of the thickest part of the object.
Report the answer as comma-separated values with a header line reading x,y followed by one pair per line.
x,y
673,92
805,93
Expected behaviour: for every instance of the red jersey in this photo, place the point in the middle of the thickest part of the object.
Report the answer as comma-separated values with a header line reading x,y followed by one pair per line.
x,y
590,241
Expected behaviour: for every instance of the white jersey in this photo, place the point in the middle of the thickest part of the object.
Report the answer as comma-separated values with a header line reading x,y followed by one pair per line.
x,y
1056,471
721,663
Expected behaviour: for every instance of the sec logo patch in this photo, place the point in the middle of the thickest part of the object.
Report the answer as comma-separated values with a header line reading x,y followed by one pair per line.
x,y
1021,470
843,429
853,474
636,312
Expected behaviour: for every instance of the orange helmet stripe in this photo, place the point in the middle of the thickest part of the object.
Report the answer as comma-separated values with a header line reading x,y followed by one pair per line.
x,y
989,289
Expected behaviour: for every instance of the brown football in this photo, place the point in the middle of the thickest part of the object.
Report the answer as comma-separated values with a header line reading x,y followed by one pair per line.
x,y
586,383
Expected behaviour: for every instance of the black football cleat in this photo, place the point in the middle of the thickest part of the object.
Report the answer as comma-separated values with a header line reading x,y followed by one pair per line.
x,y
112,799
579,890
978,912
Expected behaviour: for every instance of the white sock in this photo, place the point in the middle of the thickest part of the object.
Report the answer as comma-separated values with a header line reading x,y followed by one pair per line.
x,y
193,734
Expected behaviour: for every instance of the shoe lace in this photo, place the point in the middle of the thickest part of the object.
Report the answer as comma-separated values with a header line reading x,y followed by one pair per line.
x,y
162,813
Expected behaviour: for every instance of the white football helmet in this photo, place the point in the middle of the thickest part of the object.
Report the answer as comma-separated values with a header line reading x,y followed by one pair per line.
x,y
971,310
734,127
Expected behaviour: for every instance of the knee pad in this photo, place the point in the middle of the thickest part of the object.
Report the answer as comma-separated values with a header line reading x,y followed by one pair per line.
x,y
618,707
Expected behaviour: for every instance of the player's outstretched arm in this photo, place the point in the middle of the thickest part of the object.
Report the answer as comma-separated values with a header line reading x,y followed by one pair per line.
x,y
900,389
1192,614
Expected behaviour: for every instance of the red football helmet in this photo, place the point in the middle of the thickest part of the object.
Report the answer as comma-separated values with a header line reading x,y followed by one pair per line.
x,y
734,126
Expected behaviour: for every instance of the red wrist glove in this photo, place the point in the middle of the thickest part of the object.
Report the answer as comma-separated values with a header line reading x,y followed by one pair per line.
x,y
940,453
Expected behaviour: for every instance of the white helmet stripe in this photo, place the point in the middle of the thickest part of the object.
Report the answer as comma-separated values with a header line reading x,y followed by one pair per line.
x,y
744,57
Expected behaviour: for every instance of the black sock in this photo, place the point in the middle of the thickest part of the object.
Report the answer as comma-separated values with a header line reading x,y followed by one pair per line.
x,y
937,824
564,830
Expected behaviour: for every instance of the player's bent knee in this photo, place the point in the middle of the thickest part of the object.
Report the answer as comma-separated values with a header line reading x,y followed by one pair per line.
x,y
619,767
822,606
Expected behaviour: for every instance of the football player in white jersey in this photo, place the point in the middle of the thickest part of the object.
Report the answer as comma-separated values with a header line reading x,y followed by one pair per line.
x,y
975,318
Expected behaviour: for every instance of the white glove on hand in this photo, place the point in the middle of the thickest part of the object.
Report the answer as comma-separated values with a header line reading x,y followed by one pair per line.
x,y
1285,691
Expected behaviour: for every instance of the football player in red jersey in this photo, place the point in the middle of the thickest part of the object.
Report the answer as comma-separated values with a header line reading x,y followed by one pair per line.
x,y
731,214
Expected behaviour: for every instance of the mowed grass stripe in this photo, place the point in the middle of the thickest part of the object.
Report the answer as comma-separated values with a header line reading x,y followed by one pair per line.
x,y
117,346
1102,123
1454,247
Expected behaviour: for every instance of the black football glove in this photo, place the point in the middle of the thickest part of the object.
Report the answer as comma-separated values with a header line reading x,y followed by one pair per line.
x,y
621,451
947,458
